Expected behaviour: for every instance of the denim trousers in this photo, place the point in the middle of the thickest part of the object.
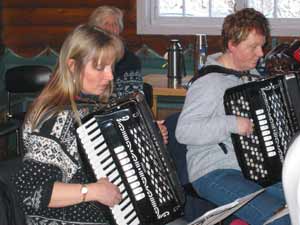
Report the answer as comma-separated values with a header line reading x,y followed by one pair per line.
x,y
226,185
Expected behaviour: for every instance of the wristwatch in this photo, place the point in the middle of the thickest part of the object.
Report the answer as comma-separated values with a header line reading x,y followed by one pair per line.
x,y
84,190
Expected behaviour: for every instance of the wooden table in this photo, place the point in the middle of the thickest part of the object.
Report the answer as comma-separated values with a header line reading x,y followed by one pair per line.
x,y
161,87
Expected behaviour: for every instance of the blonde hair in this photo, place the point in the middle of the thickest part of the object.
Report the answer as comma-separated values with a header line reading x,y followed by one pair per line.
x,y
99,14
82,45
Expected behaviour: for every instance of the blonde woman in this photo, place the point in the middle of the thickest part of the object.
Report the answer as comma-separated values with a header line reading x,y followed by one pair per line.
x,y
53,185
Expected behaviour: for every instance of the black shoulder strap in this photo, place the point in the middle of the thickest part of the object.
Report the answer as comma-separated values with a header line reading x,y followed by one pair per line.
x,y
219,69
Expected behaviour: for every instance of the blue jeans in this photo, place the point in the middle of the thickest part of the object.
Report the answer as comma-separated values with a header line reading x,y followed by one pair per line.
x,y
224,186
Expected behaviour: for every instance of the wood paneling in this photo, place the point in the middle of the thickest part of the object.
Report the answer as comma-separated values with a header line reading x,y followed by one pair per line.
x,y
123,4
28,26
45,16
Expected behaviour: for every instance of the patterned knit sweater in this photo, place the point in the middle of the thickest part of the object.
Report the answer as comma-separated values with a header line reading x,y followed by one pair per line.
x,y
52,154
127,75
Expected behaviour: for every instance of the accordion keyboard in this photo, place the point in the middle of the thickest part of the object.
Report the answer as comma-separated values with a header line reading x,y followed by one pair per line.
x,y
103,165
122,142
266,104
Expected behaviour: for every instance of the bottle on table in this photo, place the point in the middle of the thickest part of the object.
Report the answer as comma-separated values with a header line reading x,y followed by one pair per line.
x,y
200,52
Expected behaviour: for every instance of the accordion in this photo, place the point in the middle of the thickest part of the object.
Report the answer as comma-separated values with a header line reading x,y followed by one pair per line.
x,y
122,142
273,106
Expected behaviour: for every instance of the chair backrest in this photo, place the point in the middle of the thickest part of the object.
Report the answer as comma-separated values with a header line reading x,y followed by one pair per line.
x,y
291,180
148,92
24,80
27,78
177,150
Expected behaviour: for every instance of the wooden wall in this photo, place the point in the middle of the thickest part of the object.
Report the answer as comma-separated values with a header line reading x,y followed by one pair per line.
x,y
29,26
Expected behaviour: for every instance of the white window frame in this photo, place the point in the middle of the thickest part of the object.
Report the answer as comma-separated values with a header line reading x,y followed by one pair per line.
x,y
148,22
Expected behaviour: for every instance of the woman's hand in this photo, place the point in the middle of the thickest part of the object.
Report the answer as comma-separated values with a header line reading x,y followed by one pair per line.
x,y
245,126
163,130
104,192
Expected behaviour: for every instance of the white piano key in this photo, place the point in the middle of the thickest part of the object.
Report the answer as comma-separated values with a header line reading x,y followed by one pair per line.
x,y
270,148
265,127
259,111
86,124
95,133
135,222
127,210
118,182
261,117
267,138
100,171
84,138
122,187
132,179
95,153
104,155
140,196
124,202
124,195
137,190
97,159
119,149
265,133
117,213
107,162
262,122
124,161
135,184
113,175
269,143
122,155
127,167
271,154
91,127
130,217
129,173
98,140
110,168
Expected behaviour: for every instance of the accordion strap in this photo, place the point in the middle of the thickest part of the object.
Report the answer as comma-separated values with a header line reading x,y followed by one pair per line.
x,y
220,69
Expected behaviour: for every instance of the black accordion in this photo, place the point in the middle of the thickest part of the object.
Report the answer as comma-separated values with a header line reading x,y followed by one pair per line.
x,y
273,105
122,142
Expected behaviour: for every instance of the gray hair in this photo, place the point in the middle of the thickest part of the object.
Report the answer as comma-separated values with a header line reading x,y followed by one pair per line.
x,y
98,15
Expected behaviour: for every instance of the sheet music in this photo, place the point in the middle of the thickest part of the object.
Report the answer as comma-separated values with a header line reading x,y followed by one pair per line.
x,y
218,214
284,211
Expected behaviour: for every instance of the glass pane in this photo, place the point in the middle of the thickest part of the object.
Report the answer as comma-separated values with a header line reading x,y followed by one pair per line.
x,y
199,8
170,7
264,6
288,8
221,8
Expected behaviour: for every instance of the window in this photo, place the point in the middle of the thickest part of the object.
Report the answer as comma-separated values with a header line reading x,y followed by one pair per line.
x,y
206,16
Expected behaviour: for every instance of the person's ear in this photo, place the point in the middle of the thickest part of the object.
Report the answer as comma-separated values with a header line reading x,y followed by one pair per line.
x,y
71,65
231,46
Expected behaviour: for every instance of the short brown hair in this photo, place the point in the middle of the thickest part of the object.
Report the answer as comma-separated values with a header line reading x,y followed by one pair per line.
x,y
237,26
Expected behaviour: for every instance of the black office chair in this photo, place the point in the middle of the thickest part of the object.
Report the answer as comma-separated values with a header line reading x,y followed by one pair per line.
x,y
20,81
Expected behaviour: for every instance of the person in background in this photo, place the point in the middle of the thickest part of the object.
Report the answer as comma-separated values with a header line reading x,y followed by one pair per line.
x,y
127,72
53,186
214,170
